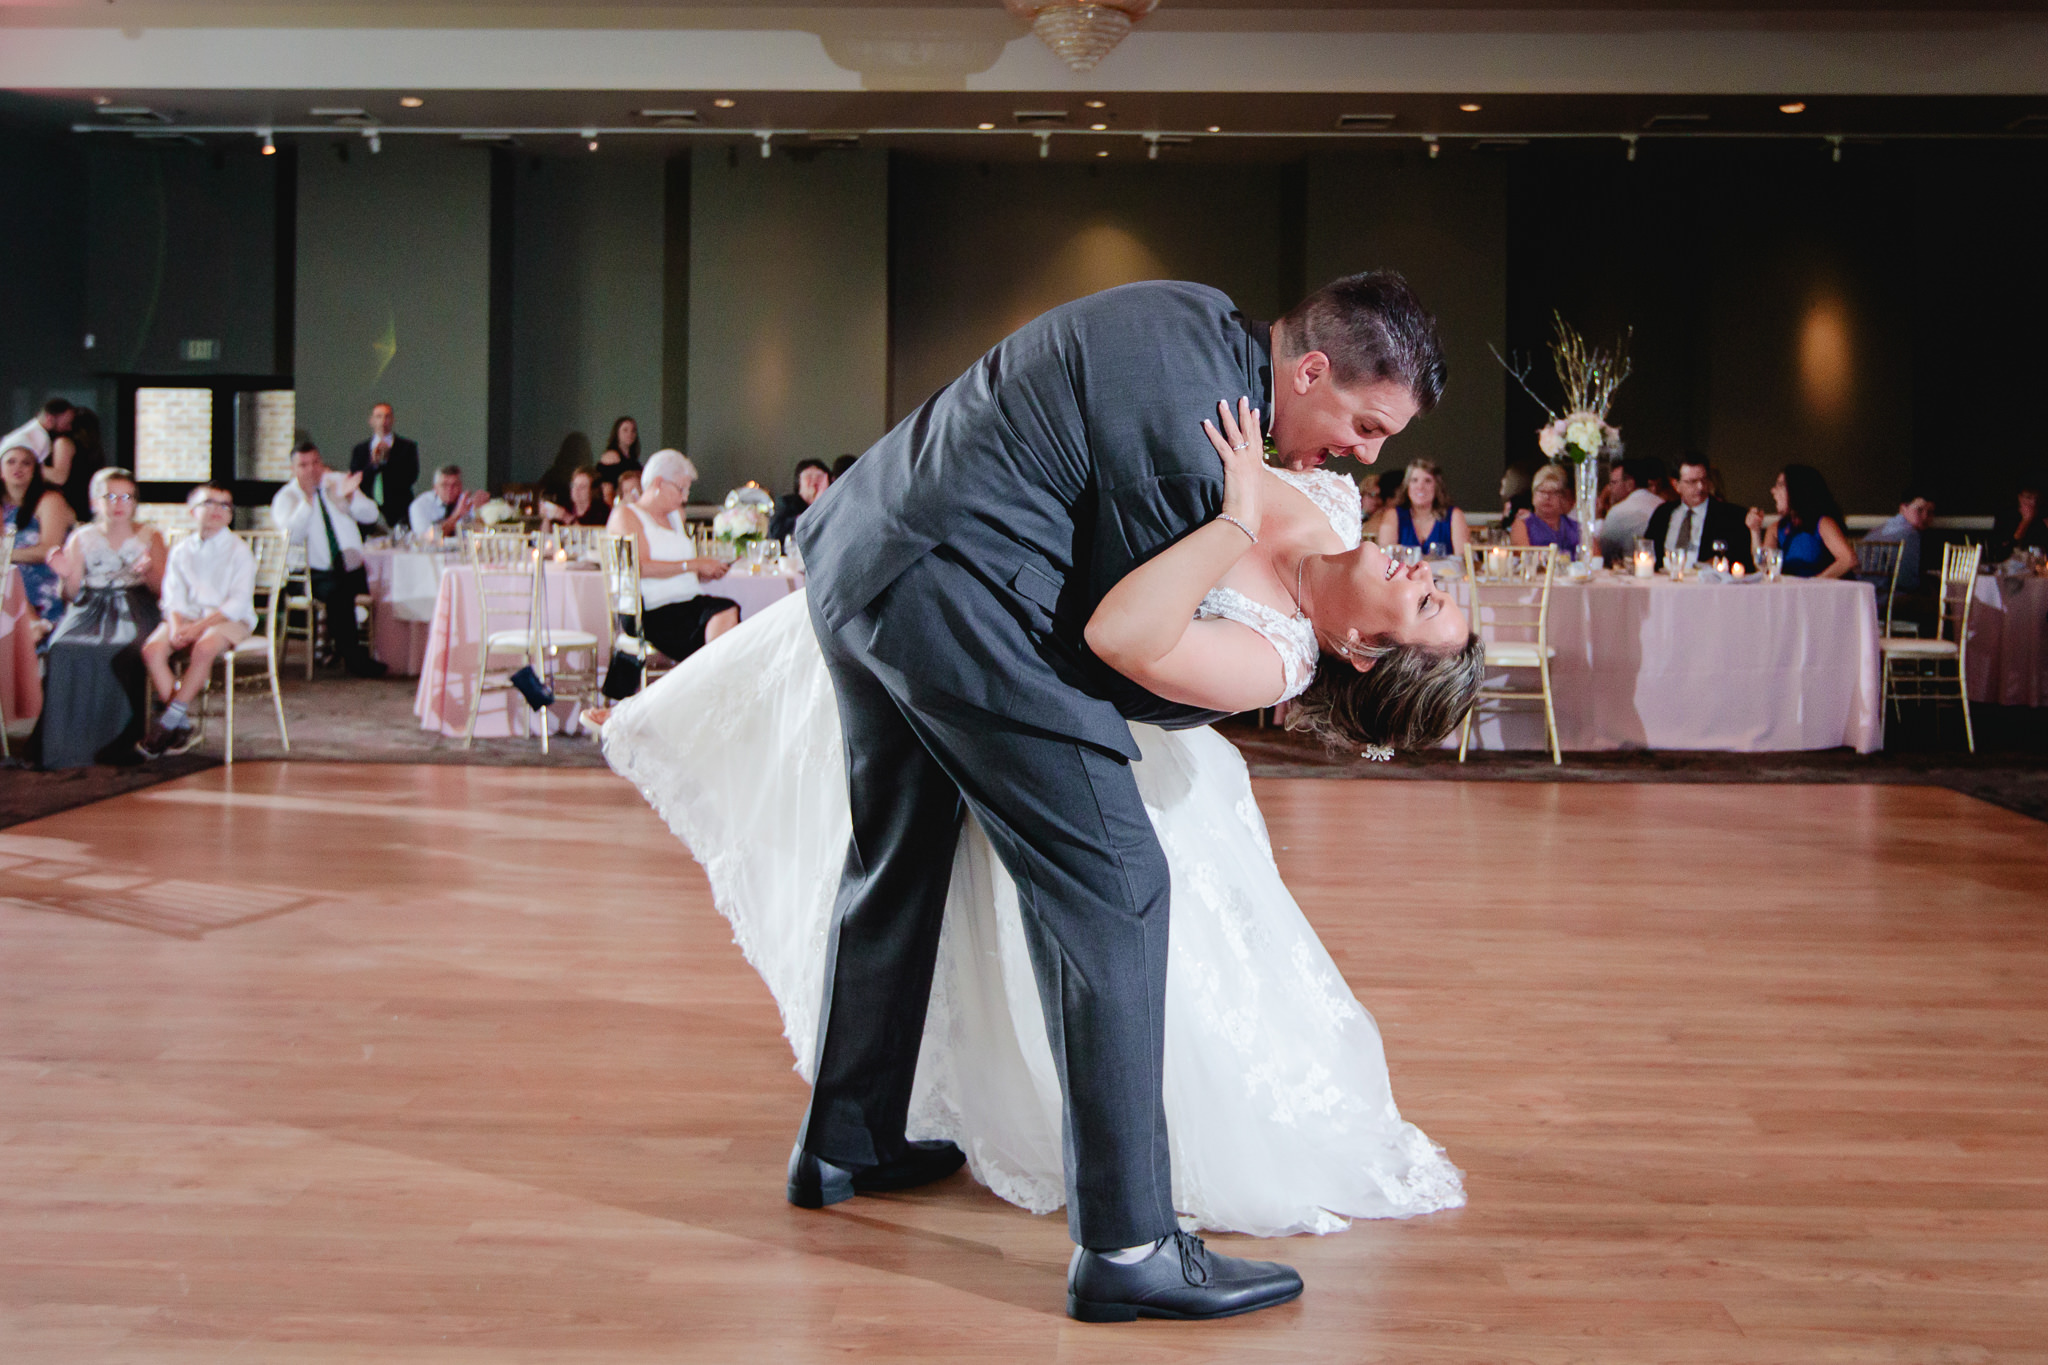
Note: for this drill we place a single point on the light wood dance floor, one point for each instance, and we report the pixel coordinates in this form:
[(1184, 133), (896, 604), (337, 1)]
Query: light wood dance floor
[(372, 1063)]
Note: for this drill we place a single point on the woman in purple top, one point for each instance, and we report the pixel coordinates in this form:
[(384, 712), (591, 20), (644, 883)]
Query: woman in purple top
[(1550, 521)]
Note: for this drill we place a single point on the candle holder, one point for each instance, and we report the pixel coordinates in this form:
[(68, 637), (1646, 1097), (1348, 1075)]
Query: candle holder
[(1646, 557)]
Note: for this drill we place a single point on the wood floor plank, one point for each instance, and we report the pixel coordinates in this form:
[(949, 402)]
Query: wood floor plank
[(323, 1063)]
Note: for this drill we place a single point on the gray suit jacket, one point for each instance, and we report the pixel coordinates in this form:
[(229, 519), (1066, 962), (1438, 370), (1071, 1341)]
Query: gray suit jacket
[(1059, 462)]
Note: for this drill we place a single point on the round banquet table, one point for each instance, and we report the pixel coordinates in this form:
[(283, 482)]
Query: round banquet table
[(1741, 667), (21, 679), (575, 601), (2007, 666), (753, 591), (405, 586)]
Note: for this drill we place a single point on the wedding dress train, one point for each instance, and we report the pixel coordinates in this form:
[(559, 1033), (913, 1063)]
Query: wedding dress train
[(1279, 1111)]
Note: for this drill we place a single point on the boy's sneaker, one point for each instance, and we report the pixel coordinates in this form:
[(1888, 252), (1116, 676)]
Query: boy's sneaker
[(161, 741)]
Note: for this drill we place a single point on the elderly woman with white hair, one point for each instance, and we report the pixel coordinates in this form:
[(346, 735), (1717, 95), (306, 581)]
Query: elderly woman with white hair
[(676, 616)]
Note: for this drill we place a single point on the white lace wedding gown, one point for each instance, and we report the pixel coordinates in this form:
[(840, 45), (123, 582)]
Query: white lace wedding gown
[(1278, 1107)]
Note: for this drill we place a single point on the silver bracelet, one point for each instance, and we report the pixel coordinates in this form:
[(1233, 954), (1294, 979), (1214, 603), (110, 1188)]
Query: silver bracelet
[(1225, 516)]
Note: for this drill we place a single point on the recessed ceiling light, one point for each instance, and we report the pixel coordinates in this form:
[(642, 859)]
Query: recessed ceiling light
[(410, 102), (1215, 127), (723, 103), (1096, 104), (1102, 154), (101, 99), (1793, 107), (1469, 107), (1098, 127), (984, 126)]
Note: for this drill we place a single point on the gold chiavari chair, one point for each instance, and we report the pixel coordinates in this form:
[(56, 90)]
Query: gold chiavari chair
[(509, 583), (6, 569), (1916, 668), (581, 542), (264, 645), (1510, 608), (1877, 563)]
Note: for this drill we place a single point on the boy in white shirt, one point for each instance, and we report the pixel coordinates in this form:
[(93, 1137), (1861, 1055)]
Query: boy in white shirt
[(209, 604)]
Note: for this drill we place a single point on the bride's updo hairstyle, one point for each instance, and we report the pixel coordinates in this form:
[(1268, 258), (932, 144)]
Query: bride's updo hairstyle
[(1372, 327), (1410, 698)]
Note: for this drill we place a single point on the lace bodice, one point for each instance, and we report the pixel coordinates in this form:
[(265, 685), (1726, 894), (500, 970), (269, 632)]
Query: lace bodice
[(1291, 636), (105, 566)]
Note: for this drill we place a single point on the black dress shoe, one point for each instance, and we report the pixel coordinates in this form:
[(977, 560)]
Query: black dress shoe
[(815, 1182), (1182, 1279)]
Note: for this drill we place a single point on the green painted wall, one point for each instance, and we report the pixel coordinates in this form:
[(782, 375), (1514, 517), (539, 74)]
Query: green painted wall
[(789, 312), (393, 299)]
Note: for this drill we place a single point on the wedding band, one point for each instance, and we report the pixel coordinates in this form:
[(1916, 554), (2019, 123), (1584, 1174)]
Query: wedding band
[(1241, 445)]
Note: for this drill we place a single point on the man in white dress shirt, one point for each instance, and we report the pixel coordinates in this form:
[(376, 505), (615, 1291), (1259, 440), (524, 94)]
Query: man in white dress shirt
[(39, 432), (209, 602), (1628, 482), (326, 511), (1699, 521), (444, 507)]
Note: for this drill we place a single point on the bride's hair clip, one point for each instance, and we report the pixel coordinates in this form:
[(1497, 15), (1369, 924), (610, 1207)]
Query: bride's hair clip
[(1380, 753)]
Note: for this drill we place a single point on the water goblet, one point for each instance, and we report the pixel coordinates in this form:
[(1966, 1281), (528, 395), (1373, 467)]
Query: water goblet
[(1772, 562)]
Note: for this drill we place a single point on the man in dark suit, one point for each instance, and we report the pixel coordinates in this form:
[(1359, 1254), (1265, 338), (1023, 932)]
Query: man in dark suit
[(390, 466), (951, 573), (1699, 520)]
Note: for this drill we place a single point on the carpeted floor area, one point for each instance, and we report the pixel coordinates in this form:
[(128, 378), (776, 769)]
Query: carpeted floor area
[(356, 721)]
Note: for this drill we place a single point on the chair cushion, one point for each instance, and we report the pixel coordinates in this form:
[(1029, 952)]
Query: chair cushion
[(1510, 654), (256, 646), (509, 641), (1925, 649)]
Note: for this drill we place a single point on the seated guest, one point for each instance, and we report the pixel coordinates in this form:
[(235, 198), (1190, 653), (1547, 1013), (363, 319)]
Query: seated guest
[(585, 506), (325, 512), (621, 451), (1375, 496), (812, 478), (444, 507), (1916, 510), (1632, 501), (2024, 529), (626, 491), (1514, 488), (93, 699), (676, 617), (1423, 516), (40, 518), (1548, 520), (209, 606), (841, 465), (1809, 529), (39, 433), (1698, 521)]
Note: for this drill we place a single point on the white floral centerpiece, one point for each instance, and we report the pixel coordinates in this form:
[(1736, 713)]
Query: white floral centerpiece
[(1582, 436), (744, 517), (497, 512)]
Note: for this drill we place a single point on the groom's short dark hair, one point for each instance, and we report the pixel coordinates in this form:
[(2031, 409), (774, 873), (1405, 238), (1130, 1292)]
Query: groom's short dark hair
[(1372, 327)]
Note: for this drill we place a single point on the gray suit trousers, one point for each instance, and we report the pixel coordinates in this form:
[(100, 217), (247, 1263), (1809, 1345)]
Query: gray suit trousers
[(1066, 820)]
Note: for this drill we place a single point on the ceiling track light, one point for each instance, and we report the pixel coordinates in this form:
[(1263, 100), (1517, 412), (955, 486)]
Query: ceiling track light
[(1836, 143), (269, 142), (766, 152), (376, 143), (1044, 145), (1631, 139), (590, 138), (1429, 141)]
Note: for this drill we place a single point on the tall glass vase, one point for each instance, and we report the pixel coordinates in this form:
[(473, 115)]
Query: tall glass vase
[(1587, 475)]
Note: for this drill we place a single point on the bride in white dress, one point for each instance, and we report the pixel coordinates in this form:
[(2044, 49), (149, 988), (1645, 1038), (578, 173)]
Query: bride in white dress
[(1279, 1111)]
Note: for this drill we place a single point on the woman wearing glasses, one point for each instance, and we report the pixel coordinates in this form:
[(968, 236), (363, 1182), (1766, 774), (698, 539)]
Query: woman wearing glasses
[(110, 569)]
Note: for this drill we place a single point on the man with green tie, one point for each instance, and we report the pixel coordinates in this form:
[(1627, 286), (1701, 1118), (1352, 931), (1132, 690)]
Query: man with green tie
[(325, 512)]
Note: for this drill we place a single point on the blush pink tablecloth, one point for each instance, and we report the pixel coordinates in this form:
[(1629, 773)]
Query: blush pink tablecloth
[(404, 592), (1738, 667), (2007, 666), (21, 677), (575, 601), (754, 592)]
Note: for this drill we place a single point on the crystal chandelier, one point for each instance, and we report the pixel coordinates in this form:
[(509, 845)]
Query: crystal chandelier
[(1081, 32)]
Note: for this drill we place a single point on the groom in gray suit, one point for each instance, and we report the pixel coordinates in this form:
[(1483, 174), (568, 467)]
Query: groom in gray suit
[(951, 573)]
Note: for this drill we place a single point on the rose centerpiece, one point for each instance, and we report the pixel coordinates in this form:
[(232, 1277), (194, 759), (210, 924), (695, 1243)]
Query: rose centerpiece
[(1582, 436), (744, 517)]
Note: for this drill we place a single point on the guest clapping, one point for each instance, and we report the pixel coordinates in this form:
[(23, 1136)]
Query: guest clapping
[(110, 569), (585, 507), (325, 512), (812, 479), (444, 508), (1424, 517), (1809, 528), (1549, 520), (40, 518), (676, 617), (209, 605)]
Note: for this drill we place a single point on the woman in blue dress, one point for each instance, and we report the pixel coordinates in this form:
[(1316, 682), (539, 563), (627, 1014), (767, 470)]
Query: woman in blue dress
[(36, 512), (1809, 529), (1549, 520), (1423, 517)]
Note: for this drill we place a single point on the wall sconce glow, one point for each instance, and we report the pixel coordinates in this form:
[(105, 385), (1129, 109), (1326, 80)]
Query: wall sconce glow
[(1793, 107), (1827, 369), (410, 102)]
